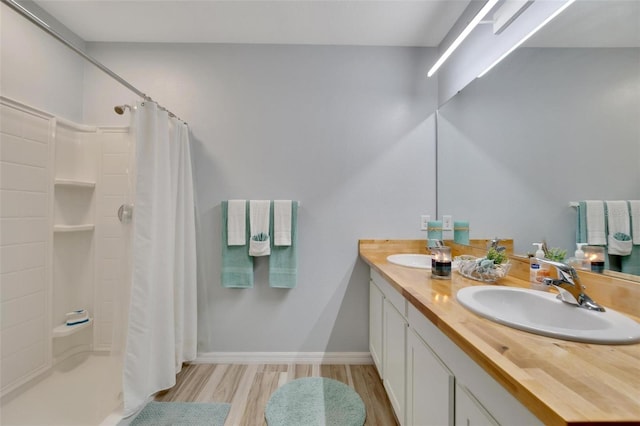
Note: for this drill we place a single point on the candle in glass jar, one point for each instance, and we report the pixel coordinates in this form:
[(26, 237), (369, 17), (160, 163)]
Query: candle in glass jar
[(595, 256), (441, 262)]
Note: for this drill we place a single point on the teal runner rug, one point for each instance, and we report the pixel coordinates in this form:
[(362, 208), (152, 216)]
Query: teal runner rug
[(181, 414)]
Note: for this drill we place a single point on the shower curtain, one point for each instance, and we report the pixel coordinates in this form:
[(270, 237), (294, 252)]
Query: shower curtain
[(161, 331)]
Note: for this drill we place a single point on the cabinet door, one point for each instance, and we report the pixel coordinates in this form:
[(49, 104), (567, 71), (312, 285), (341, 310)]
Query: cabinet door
[(376, 300), (430, 386), (394, 357), (469, 412)]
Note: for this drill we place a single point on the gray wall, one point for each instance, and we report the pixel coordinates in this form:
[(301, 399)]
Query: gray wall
[(546, 127), (37, 70), (347, 131)]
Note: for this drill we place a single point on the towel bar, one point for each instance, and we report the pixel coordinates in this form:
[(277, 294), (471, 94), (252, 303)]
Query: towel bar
[(299, 203)]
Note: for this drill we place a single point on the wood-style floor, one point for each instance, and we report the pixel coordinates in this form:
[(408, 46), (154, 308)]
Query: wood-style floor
[(248, 388)]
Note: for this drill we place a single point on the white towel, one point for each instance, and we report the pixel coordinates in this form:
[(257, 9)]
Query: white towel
[(618, 221), (282, 223), (259, 224), (236, 223), (635, 220), (595, 223), (618, 217)]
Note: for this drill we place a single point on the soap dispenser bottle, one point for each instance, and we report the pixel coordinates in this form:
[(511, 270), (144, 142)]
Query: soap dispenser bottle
[(579, 260), (538, 272)]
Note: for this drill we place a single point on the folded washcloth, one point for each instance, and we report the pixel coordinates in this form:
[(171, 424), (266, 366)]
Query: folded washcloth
[(283, 262), (237, 265), (634, 208), (619, 244), (595, 223), (260, 245), (236, 222), (282, 222), (77, 317), (259, 225)]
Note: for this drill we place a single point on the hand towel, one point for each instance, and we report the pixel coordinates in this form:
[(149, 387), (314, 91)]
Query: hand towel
[(282, 222), (236, 223), (283, 262), (237, 265), (618, 223), (259, 223), (595, 223), (634, 208)]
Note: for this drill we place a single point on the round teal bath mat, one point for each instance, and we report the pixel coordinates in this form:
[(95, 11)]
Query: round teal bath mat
[(315, 401)]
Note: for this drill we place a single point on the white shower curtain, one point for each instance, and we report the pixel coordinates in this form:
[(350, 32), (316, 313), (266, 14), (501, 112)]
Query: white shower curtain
[(162, 321)]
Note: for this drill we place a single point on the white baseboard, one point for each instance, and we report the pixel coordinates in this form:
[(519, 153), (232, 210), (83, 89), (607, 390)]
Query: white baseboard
[(283, 358)]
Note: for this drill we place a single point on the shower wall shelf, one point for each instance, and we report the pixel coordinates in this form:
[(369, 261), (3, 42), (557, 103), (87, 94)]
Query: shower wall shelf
[(74, 228), (74, 183), (67, 330)]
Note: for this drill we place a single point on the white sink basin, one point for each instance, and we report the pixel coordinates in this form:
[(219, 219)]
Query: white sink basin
[(541, 313), (421, 261)]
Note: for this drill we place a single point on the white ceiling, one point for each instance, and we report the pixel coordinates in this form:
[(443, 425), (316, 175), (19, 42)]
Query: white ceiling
[(586, 23), (328, 22)]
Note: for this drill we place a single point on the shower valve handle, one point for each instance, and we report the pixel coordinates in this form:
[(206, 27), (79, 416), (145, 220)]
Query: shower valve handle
[(125, 213)]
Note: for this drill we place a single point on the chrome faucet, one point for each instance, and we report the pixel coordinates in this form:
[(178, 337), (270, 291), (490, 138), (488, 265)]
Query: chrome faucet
[(434, 243), (569, 287), (495, 243)]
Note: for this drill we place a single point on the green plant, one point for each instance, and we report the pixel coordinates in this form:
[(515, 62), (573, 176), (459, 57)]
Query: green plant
[(498, 257), (556, 254)]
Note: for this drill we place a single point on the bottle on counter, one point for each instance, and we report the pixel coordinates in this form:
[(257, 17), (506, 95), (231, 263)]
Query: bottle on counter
[(538, 272)]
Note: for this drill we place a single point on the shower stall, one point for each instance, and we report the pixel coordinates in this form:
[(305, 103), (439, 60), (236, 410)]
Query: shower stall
[(98, 296), (63, 249)]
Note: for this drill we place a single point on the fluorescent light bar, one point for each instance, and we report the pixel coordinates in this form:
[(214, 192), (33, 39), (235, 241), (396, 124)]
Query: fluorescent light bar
[(474, 22), (28, 12), (528, 36)]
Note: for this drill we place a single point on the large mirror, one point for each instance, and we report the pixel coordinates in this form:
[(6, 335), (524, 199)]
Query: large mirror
[(557, 121)]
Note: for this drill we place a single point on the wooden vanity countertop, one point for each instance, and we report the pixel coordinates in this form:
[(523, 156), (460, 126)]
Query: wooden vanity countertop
[(559, 381)]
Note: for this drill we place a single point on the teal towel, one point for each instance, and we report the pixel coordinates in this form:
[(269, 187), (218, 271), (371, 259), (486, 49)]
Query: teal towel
[(581, 228), (237, 265), (631, 263), (283, 262)]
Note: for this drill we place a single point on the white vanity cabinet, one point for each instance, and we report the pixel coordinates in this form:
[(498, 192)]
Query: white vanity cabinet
[(394, 357), (430, 385), (429, 379), (376, 304), (388, 328), (469, 412)]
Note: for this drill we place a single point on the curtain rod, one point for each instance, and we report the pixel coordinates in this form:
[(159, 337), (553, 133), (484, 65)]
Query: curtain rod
[(45, 27)]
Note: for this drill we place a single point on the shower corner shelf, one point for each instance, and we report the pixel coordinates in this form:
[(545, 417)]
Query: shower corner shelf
[(66, 330), (75, 183), (73, 228)]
